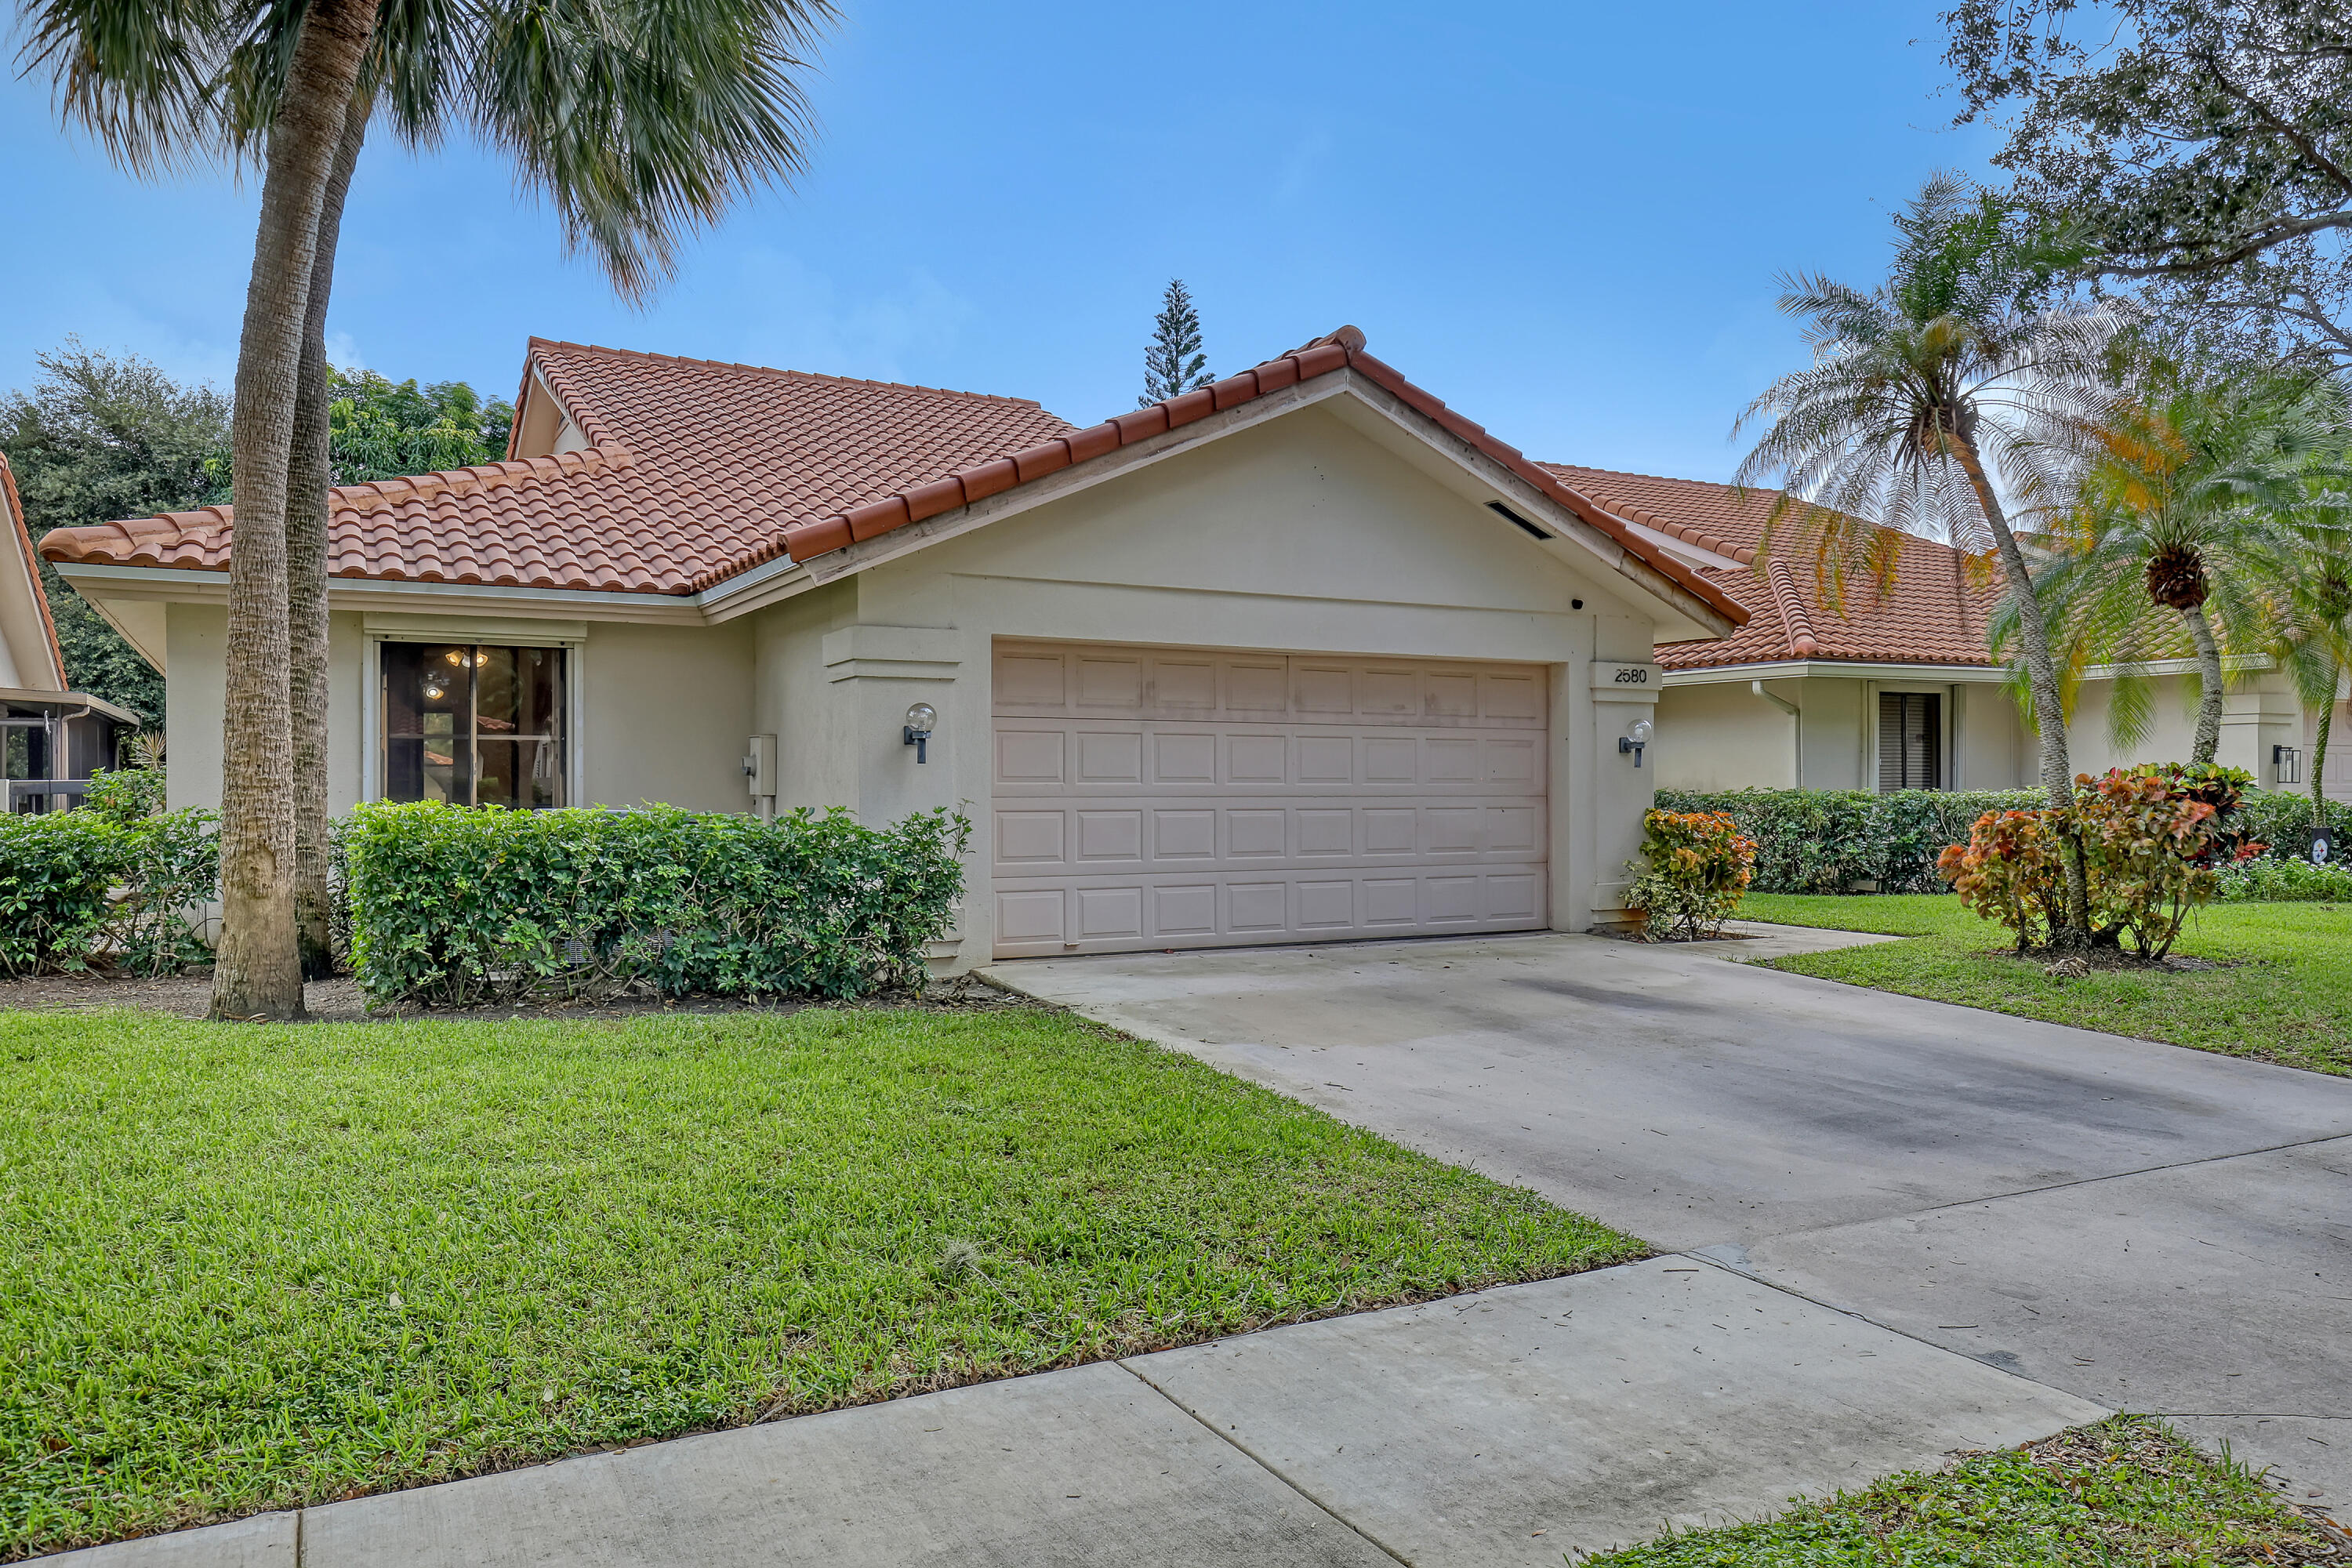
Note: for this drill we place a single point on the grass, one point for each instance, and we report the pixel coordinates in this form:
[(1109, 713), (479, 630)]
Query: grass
[(2283, 992), (249, 1267), (2126, 1491)]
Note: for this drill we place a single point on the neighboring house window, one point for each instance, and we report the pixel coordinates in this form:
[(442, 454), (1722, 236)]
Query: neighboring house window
[(473, 724), (1910, 741)]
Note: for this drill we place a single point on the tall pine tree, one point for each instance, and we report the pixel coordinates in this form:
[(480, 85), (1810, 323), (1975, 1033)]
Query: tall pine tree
[(1174, 363)]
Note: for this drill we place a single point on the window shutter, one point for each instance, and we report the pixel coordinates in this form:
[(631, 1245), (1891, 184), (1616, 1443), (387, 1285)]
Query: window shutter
[(1910, 741)]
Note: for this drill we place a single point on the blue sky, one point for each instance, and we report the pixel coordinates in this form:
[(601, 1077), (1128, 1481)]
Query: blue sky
[(1564, 218)]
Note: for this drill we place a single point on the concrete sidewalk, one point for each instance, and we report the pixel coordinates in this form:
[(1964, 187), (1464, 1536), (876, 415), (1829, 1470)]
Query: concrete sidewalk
[(1508, 1426)]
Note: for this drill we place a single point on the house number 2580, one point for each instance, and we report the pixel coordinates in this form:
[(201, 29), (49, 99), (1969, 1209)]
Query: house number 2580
[(1636, 677)]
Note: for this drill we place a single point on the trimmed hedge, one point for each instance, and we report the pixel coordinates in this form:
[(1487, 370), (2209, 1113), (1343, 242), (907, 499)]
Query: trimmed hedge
[(1836, 841), (104, 888), (453, 907), (2282, 819), (2285, 881)]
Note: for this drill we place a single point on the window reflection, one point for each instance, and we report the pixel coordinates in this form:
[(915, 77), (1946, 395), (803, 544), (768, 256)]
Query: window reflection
[(473, 724)]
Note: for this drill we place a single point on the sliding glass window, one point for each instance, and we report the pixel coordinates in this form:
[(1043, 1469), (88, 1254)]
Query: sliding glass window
[(474, 724)]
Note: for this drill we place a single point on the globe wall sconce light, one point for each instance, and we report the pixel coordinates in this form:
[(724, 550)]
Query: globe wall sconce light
[(1634, 739), (921, 719)]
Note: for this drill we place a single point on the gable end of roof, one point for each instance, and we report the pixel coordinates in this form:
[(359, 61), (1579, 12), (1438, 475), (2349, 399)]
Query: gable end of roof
[(1342, 350)]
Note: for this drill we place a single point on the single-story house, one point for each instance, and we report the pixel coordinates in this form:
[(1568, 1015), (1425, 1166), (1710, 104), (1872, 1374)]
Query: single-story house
[(51, 739), (1896, 690), (1301, 655)]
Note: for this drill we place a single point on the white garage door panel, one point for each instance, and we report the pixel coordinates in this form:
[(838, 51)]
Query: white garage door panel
[(1182, 798)]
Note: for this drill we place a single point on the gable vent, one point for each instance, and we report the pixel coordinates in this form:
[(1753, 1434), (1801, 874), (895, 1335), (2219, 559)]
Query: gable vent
[(1499, 508)]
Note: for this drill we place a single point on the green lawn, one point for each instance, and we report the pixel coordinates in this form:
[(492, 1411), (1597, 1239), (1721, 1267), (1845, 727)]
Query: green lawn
[(245, 1267), (2282, 992), (2125, 1491)]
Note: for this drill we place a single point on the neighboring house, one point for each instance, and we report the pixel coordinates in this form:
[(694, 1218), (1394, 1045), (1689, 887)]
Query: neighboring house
[(1893, 691), (51, 739), (1301, 655)]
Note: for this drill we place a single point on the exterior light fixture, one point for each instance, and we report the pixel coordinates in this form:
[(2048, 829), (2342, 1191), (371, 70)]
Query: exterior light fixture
[(1634, 739), (921, 719)]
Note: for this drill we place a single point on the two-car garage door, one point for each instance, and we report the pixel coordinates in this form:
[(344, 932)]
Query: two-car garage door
[(1182, 797)]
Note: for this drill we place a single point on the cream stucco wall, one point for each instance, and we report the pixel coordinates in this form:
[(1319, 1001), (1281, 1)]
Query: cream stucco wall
[(2259, 711), (1719, 735), (195, 639), (666, 711), (1723, 736), (795, 701)]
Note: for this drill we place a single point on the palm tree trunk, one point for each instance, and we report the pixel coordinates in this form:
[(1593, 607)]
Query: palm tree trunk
[(257, 970), (2319, 758), (309, 474), (2209, 684), (2048, 702)]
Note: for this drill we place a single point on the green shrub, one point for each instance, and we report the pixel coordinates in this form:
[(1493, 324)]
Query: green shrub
[(156, 923), (452, 906), (81, 889), (55, 871), (2282, 881), (1837, 841), (1694, 868), (2282, 819), (125, 795)]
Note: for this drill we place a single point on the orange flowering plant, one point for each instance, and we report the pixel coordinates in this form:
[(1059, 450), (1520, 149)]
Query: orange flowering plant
[(1694, 868), (2011, 870), (2155, 838)]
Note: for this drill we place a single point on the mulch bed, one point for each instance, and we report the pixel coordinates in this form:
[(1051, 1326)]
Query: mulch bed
[(339, 1001)]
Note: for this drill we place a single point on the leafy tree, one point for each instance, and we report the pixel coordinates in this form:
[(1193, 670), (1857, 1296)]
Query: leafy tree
[(640, 119), (2186, 513), (1920, 388), (2204, 148), (1173, 365), (102, 436), (381, 430)]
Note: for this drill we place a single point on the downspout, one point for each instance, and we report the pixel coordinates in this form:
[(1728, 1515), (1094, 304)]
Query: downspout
[(1796, 729)]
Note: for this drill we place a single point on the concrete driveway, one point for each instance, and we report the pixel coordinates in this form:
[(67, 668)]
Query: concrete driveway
[(2148, 1227)]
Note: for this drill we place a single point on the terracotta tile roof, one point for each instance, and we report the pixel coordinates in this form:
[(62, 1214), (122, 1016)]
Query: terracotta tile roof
[(1936, 613), (691, 465), (696, 469)]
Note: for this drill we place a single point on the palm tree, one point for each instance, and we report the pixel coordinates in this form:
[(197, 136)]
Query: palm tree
[(2321, 651), (2316, 646), (638, 119), (2185, 512), (1919, 389)]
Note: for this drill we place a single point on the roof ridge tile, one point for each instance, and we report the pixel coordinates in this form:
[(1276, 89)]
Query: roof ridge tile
[(739, 367)]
